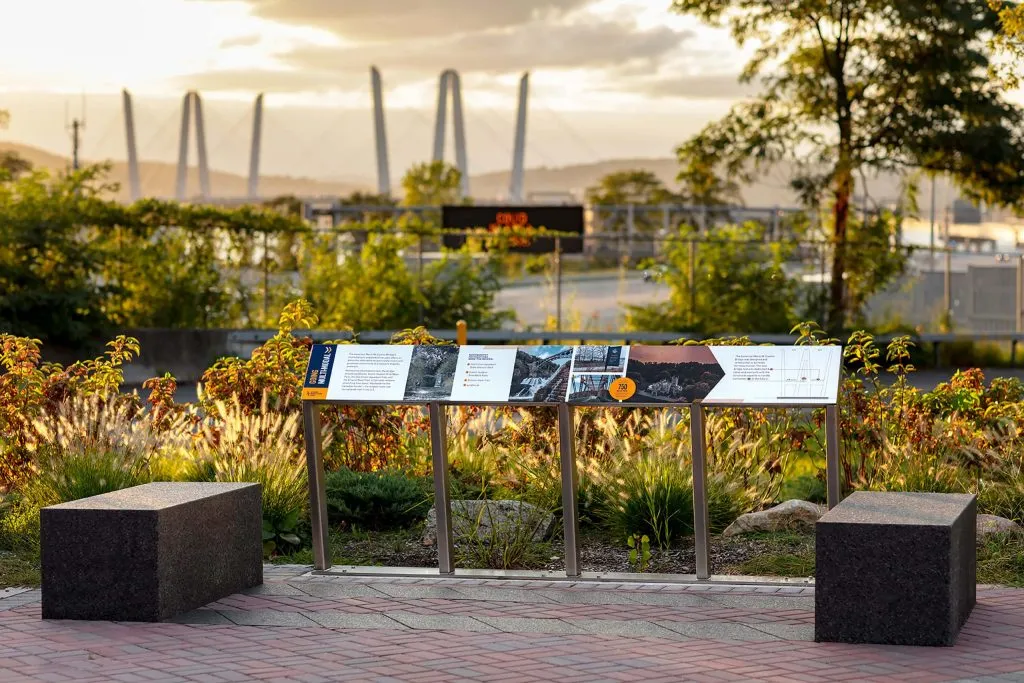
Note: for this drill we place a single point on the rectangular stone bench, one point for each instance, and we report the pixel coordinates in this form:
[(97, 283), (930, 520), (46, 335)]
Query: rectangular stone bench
[(150, 552), (895, 568)]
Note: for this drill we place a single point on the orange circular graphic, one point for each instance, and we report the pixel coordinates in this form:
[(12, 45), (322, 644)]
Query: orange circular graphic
[(622, 388)]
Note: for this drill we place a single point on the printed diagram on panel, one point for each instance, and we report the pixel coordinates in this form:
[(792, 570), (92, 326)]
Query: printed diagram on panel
[(803, 374)]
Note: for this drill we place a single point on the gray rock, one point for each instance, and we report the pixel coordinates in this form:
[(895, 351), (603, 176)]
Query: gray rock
[(793, 515), (503, 518), (991, 524)]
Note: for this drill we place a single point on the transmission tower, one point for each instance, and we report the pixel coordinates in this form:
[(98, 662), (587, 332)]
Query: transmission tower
[(75, 127)]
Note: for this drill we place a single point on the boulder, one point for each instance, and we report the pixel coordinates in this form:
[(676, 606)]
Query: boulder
[(991, 524), (502, 518), (793, 515)]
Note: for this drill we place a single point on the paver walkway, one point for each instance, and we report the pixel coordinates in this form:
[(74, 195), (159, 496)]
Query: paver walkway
[(299, 627)]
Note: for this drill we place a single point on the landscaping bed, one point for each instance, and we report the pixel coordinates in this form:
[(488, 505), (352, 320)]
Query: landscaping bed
[(68, 432)]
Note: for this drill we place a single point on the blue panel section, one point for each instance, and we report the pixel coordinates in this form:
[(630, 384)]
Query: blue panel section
[(321, 361)]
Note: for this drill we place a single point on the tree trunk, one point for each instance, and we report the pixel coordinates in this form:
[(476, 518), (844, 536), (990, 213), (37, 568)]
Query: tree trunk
[(837, 308), (837, 288)]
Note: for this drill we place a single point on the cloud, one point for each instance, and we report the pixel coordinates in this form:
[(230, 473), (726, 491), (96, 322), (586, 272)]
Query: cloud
[(535, 45), (271, 80), (250, 40), (382, 20), (713, 86), (412, 41)]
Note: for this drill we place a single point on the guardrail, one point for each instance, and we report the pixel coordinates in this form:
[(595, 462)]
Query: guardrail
[(241, 340)]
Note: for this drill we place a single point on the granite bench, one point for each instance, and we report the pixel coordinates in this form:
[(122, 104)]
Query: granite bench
[(150, 552), (895, 568)]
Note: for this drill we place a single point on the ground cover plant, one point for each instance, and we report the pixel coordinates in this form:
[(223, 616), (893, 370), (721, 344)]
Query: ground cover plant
[(69, 432)]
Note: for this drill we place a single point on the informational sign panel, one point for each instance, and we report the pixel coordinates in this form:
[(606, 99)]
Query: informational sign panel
[(498, 219), (581, 375)]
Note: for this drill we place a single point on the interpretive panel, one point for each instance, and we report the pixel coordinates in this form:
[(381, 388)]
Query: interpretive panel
[(585, 375)]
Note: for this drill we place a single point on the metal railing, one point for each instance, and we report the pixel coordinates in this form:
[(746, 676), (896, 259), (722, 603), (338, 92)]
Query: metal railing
[(313, 432)]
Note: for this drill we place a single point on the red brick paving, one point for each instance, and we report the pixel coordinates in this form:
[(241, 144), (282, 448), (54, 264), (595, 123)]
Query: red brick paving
[(991, 644)]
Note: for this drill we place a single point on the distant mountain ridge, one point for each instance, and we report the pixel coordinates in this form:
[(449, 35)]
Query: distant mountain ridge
[(158, 180)]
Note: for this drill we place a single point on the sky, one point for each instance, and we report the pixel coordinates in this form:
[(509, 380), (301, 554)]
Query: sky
[(609, 78)]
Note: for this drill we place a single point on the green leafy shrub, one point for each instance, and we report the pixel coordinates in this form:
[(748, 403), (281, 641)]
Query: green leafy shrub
[(503, 546), (655, 499), (805, 487), (1002, 499), (724, 504), (376, 500)]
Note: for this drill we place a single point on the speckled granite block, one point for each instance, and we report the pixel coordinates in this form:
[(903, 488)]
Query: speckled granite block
[(895, 568), (150, 552)]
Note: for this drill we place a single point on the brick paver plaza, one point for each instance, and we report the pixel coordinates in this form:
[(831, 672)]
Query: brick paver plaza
[(302, 627)]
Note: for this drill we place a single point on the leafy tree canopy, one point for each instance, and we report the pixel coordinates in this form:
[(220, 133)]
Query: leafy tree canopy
[(1010, 42), (636, 186), (433, 183), (853, 85)]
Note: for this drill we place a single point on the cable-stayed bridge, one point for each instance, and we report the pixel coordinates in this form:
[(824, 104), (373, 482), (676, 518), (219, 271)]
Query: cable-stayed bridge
[(449, 99)]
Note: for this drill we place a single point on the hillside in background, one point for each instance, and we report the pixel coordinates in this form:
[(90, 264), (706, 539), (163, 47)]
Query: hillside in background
[(158, 180)]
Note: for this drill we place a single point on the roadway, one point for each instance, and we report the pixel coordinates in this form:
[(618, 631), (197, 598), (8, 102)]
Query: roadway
[(589, 302)]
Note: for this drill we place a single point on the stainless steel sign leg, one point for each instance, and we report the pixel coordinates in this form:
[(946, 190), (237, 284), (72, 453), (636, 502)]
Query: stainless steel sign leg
[(698, 447), (442, 504), (570, 482), (832, 456), (317, 493)]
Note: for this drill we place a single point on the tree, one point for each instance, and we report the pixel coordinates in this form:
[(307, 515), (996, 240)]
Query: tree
[(638, 187), (701, 185), (853, 85), (13, 165), (432, 184), (735, 283), (1010, 41)]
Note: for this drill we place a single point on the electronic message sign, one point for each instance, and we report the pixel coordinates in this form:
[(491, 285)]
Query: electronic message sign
[(498, 219)]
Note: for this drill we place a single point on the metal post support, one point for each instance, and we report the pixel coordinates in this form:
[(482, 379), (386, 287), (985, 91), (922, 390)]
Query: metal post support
[(698, 448), (317, 494), (1019, 300), (570, 482), (947, 288), (439, 451), (558, 284), (692, 284), (266, 277), (630, 231), (835, 493)]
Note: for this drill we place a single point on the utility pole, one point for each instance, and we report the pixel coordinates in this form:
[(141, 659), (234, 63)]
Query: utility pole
[(76, 127)]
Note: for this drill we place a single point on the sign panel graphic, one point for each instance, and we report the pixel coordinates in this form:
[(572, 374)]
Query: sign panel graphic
[(582, 375)]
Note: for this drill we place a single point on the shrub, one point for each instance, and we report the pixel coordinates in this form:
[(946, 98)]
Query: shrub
[(654, 499), (502, 546), (238, 446), (91, 445), (805, 487), (376, 500), (1002, 499)]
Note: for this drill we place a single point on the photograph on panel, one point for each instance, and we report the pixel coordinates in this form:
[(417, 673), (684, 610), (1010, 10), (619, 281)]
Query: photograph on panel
[(432, 373), (601, 359), (672, 374), (541, 374)]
